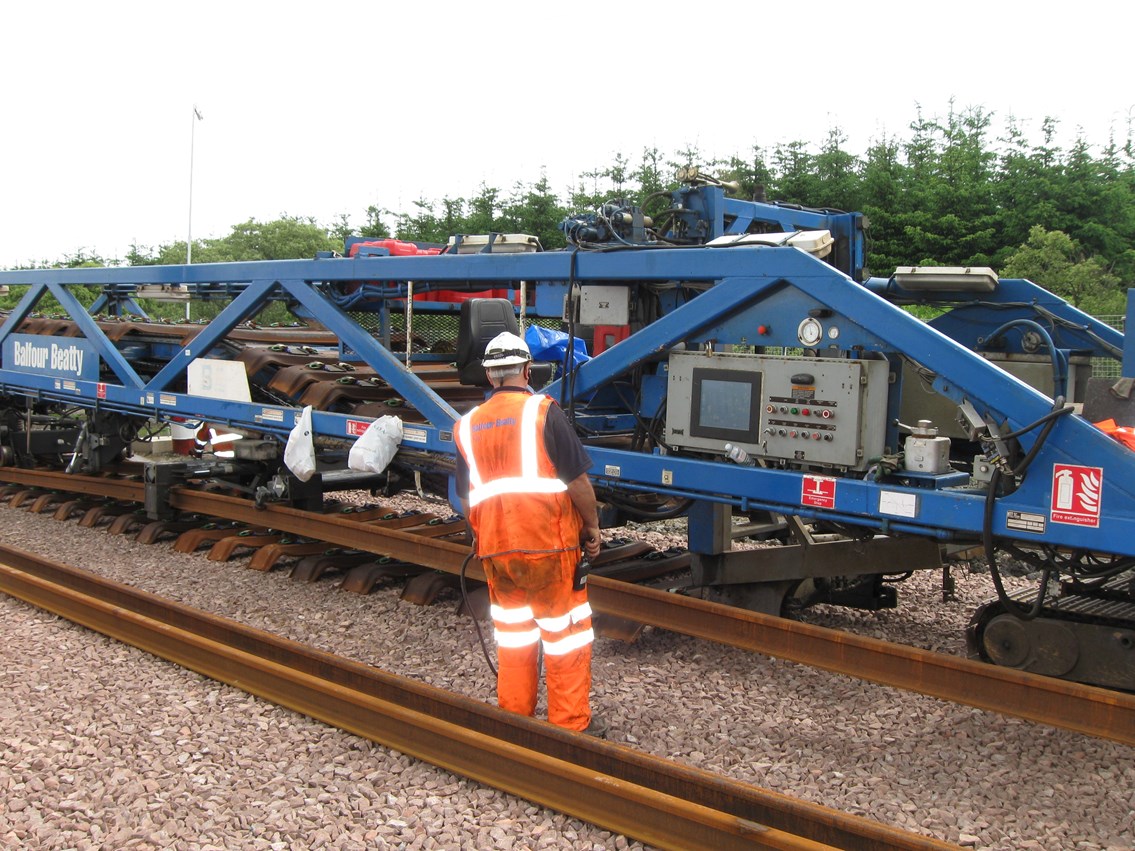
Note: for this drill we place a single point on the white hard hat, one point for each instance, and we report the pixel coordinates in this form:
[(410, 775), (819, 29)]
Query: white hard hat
[(506, 349)]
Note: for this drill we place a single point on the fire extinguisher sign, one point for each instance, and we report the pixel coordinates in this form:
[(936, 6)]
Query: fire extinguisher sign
[(1076, 494)]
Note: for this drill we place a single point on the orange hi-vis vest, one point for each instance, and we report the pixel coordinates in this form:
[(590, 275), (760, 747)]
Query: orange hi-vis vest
[(516, 502)]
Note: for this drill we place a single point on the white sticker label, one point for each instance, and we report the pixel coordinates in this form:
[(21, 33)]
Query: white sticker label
[(898, 504), (413, 435), (612, 470)]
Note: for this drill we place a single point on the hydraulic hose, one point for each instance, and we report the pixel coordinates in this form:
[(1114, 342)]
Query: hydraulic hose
[(991, 556), (1049, 422), (473, 614), (1059, 365), (567, 382)]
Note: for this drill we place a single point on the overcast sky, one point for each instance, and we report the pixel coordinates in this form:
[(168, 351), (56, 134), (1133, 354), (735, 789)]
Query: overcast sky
[(318, 109)]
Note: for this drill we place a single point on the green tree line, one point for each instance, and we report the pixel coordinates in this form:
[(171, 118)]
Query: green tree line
[(954, 191)]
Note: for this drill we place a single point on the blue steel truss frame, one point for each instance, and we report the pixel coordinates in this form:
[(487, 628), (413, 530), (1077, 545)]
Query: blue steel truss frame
[(718, 297)]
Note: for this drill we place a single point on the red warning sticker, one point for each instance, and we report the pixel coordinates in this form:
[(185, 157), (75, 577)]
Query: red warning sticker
[(1076, 494), (355, 428), (818, 491)]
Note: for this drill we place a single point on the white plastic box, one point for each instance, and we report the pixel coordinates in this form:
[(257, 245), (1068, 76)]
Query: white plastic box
[(816, 242), (604, 305), (502, 243)]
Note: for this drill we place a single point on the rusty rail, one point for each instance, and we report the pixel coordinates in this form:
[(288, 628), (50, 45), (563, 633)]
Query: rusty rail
[(654, 800)]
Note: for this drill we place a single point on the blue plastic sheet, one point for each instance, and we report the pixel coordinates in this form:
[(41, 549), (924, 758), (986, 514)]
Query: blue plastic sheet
[(546, 344)]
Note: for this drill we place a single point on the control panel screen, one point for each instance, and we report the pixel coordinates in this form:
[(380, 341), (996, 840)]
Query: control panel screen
[(725, 404)]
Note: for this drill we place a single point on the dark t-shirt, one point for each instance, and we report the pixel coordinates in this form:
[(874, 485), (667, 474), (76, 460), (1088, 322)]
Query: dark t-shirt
[(563, 445)]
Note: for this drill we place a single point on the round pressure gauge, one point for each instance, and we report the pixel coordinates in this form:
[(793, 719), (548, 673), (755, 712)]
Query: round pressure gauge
[(810, 332)]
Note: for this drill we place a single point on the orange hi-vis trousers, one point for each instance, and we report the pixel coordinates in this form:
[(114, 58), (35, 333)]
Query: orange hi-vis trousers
[(532, 602)]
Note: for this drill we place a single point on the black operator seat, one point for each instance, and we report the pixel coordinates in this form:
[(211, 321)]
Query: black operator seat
[(481, 320)]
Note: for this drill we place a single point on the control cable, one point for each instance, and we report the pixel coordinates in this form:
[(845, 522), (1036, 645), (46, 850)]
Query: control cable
[(469, 608), (1049, 422)]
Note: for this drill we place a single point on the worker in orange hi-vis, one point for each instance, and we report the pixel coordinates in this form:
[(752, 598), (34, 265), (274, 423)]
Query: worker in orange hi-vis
[(522, 479)]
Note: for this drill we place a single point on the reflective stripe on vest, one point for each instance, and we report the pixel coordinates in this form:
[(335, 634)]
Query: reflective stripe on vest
[(517, 639), (576, 615), (522, 614), (572, 642), (529, 480)]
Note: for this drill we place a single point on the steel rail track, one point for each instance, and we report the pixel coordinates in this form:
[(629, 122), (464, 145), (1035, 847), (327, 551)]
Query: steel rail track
[(1046, 700), (659, 802)]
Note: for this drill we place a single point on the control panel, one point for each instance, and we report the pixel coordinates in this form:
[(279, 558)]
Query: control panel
[(808, 411)]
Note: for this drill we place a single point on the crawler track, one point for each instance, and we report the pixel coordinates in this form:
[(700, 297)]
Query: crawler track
[(659, 802), (622, 605)]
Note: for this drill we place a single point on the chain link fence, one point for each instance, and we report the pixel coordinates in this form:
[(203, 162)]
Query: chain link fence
[(1108, 367), (433, 332)]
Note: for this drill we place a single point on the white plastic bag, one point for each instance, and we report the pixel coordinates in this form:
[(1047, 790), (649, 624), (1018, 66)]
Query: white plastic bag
[(376, 446), (299, 454)]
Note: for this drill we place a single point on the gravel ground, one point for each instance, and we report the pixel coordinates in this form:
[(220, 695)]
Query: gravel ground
[(105, 747)]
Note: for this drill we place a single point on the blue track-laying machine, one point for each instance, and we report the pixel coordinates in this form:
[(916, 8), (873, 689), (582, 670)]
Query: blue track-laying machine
[(742, 372)]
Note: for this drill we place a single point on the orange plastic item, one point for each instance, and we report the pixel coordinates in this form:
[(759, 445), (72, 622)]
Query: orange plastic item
[(401, 248), (607, 336), (1123, 434), (396, 247)]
